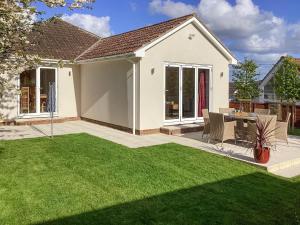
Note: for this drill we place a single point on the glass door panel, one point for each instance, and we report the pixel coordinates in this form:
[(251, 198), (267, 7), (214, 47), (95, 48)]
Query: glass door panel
[(28, 92), (188, 93), (47, 77), (172, 93)]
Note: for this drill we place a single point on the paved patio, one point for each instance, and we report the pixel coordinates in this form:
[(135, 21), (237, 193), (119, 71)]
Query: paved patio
[(285, 161)]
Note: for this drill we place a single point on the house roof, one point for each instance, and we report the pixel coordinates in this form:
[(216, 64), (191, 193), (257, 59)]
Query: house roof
[(132, 41), (272, 71), (58, 39)]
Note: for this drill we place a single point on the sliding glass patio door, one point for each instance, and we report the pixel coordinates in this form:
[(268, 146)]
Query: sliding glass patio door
[(188, 78), (34, 91), (172, 98), (186, 93)]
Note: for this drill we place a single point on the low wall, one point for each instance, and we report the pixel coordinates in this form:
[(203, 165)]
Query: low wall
[(271, 106)]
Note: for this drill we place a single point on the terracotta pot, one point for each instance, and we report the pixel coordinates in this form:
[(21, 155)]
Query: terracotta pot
[(261, 155)]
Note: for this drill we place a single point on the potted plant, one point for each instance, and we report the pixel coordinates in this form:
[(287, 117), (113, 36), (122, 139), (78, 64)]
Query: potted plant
[(263, 144)]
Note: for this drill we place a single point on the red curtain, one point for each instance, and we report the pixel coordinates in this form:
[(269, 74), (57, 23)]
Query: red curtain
[(201, 92)]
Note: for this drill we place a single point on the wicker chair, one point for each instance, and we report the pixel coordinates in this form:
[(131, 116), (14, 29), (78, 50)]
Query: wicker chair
[(226, 110), (206, 128), (251, 132), (25, 100), (219, 129), (262, 111), (281, 131), (240, 130)]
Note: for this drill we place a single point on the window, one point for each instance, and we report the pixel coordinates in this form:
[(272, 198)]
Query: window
[(34, 90), (186, 93), (28, 92)]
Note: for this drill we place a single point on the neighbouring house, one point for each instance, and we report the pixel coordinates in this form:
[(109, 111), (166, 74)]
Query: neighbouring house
[(231, 92), (267, 84), (136, 81)]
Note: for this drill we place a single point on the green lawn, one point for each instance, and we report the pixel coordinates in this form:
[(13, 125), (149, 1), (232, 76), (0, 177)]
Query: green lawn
[(81, 179), (296, 132)]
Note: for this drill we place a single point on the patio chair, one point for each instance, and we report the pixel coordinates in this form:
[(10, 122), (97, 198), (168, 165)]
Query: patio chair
[(219, 129), (206, 128), (281, 131), (262, 111), (25, 100), (226, 110), (240, 130), (251, 132)]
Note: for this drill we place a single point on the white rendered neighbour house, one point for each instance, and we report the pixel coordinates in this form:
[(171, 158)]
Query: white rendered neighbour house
[(267, 84)]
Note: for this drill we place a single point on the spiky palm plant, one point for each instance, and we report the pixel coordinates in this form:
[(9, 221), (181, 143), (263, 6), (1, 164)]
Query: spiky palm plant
[(264, 133)]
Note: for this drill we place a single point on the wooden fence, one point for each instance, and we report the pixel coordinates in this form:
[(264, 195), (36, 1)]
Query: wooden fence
[(272, 106)]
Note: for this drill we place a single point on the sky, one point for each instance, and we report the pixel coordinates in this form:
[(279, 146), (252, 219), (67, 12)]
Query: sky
[(262, 30)]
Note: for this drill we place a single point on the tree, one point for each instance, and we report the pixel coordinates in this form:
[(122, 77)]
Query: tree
[(245, 80), (287, 83), (16, 22)]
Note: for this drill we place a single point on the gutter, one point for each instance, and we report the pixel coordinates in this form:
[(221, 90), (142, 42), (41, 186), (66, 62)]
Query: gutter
[(57, 60), (134, 65), (114, 57)]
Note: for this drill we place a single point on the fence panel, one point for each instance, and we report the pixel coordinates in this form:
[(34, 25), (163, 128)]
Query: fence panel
[(274, 110)]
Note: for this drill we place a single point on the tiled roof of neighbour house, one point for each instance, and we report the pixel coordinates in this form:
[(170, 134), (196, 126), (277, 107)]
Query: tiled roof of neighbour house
[(131, 41), (297, 60), (60, 40)]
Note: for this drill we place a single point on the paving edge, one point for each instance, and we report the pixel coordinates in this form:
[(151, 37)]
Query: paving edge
[(290, 172), (271, 169), (284, 165)]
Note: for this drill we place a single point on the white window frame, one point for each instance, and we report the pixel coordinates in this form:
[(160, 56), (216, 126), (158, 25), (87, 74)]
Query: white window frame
[(38, 113), (195, 119)]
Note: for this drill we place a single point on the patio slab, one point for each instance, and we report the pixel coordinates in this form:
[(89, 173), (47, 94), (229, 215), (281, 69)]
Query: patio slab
[(285, 156), (289, 172), (72, 127), (284, 160)]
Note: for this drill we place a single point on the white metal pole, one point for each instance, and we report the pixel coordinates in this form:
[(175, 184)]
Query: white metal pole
[(51, 124), (133, 97), (51, 104)]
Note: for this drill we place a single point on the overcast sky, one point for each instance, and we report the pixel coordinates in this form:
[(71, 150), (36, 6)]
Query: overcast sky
[(262, 30)]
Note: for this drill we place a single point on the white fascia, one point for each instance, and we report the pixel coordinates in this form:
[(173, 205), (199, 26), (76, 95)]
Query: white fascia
[(56, 61), (106, 58)]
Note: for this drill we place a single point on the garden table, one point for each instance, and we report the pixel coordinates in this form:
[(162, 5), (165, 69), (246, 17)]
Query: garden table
[(251, 118)]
